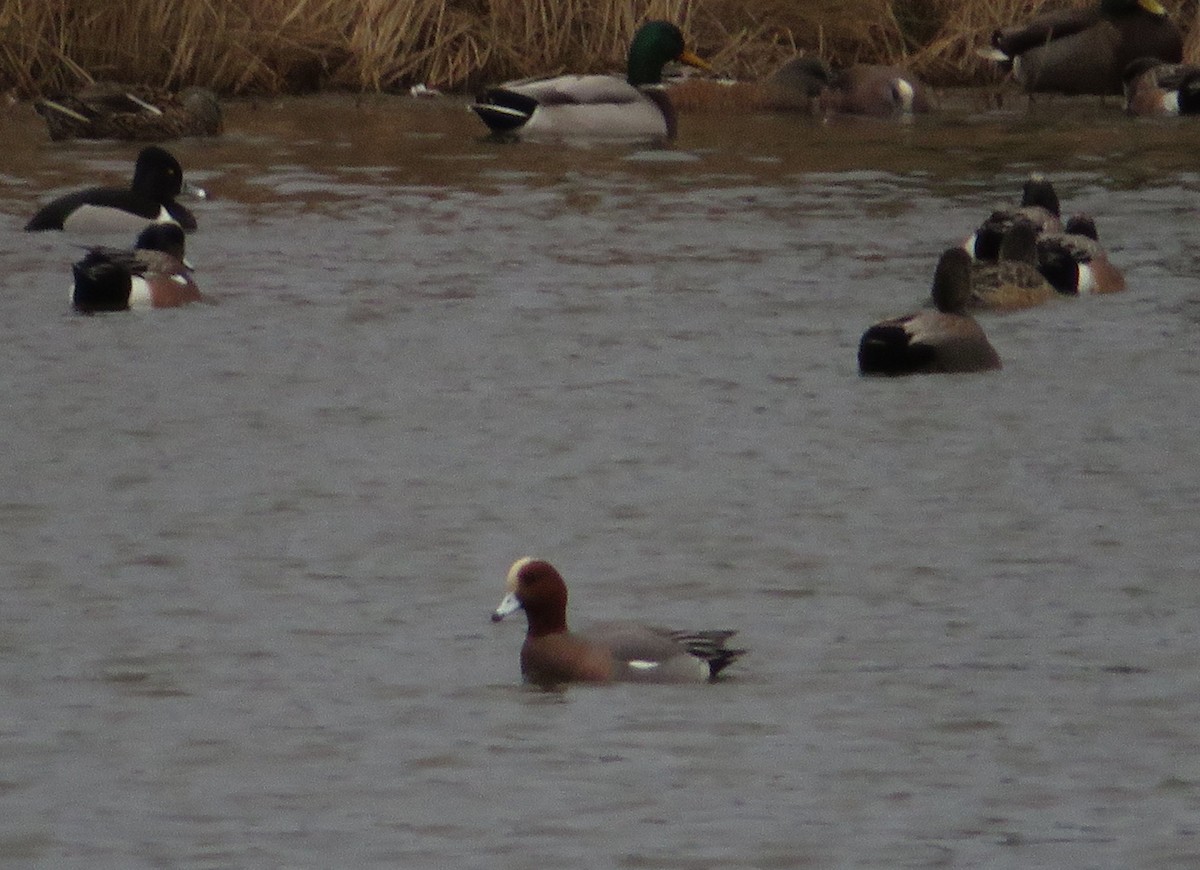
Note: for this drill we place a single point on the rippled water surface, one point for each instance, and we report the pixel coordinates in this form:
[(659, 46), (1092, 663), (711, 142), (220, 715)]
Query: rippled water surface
[(248, 549)]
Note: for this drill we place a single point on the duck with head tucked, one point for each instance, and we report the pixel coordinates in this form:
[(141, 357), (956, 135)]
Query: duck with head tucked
[(1086, 50), (149, 198), (810, 84), (608, 652), (105, 110), (596, 106), (152, 275), (930, 341)]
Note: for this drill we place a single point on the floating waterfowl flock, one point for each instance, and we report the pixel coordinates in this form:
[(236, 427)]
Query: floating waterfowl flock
[(1019, 256)]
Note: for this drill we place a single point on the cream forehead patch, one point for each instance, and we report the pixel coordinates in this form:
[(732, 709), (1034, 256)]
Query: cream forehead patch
[(510, 582)]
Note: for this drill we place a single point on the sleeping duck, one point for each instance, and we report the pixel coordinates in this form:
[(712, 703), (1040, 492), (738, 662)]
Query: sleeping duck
[(1086, 51), (104, 110)]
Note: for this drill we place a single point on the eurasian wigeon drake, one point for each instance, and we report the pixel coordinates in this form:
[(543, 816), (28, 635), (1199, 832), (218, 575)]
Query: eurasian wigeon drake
[(149, 198), (1075, 262), (153, 274), (106, 110), (1153, 87), (929, 341), (608, 652), (633, 106), (1039, 205), (1086, 50), (1013, 281), (809, 83)]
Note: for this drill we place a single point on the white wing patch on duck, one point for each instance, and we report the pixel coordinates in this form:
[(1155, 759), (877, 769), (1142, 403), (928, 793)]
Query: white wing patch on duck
[(139, 293), (1087, 279), (643, 665)]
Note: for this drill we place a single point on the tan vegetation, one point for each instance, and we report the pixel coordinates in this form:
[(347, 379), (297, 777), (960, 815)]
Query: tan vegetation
[(280, 46)]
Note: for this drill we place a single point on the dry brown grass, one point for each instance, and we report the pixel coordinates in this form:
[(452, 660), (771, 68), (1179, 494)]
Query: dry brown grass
[(276, 46)]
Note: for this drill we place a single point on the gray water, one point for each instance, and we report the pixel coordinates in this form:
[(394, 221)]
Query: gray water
[(249, 548)]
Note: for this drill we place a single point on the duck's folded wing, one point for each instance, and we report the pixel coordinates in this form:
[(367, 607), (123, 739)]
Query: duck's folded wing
[(124, 259), (576, 89), (1018, 39), (655, 653), (1169, 76)]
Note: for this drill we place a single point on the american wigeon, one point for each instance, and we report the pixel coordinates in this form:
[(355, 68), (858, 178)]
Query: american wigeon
[(929, 341), (154, 274), (1012, 281), (150, 197), (1075, 262), (610, 651), (1156, 88), (810, 84), (104, 110), (595, 106), (1085, 51), (1039, 205)]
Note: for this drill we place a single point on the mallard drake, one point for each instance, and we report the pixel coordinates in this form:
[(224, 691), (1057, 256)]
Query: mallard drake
[(810, 84), (608, 652), (154, 274), (150, 197), (596, 106), (1156, 88), (1085, 51), (1013, 281), (941, 340), (1039, 205), (1075, 262), (134, 112)]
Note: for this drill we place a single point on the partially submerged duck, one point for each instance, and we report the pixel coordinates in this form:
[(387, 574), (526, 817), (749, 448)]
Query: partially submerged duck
[(930, 341), (1086, 50), (635, 106), (1153, 87), (133, 112), (810, 84)]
